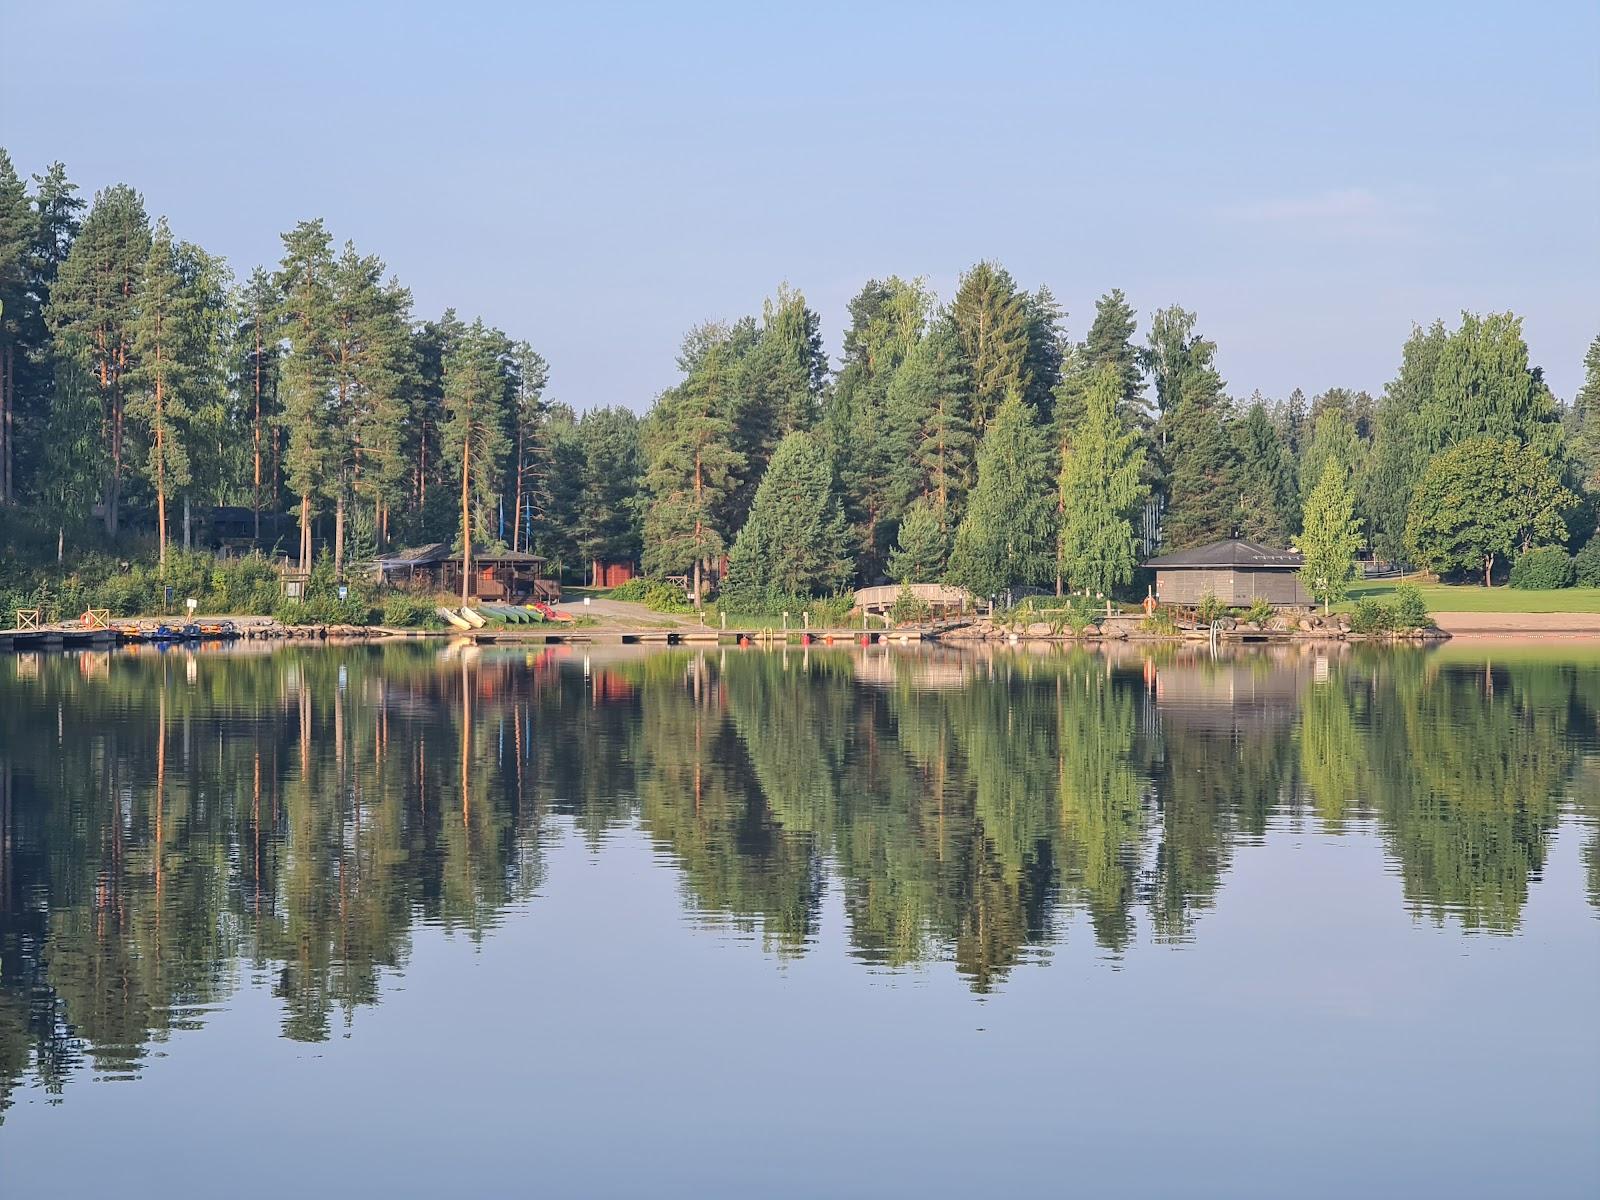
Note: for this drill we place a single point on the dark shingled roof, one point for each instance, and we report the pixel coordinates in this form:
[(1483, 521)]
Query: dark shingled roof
[(1235, 552)]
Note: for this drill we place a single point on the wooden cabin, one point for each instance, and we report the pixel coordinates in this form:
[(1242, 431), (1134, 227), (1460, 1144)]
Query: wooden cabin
[(496, 575), (1235, 571)]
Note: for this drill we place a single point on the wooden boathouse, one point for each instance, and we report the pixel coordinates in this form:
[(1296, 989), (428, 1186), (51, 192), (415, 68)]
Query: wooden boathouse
[(1236, 572)]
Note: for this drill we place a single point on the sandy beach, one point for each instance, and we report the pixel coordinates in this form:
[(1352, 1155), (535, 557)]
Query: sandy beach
[(1546, 626)]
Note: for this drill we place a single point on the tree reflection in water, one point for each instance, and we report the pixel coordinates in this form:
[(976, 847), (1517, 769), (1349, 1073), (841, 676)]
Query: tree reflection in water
[(172, 824)]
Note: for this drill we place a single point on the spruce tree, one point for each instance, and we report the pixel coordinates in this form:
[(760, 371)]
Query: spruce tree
[(606, 524), (1197, 462), (1007, 536), (1585, 435), (1102, 486), (795, 543), (996, 327), (1269, 501), (1330, 537), (32, 446), (928, 428), (887, 318), (922, 546), (16, 248), (91, 314)]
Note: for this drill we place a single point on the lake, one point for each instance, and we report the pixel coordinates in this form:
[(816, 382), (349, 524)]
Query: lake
[(430, 919)]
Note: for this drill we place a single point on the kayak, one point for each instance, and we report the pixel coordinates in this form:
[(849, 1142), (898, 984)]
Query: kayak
[(472, 618), (450, 618)]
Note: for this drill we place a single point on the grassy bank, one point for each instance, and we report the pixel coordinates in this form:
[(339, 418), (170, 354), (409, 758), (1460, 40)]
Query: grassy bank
[(1471, 598)]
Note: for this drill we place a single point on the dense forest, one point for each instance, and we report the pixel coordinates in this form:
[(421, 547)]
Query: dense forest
[(144, 385)]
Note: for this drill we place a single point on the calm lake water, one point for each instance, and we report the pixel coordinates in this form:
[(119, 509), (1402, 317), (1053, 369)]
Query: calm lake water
[(449, 921)]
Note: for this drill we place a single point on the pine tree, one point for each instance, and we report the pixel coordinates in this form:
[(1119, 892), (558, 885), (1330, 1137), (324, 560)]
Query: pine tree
[(531, 462), (91, 315), (1007, 536), (257, 340), (923, 545), (373, 390), (305, 283), (1330, 537), (178, 381), (1102, 486), (994, 323), (693, 462), (795, 543), (477, 400)]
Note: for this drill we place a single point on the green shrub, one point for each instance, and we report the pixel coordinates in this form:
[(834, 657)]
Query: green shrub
[(1371, 616), (1160, 621), (665, 598), (1543, 568), (1408, 609), (1259, 613), (1586, 563), (633, 591), (909, 607), (1211, 609), (404, 610)]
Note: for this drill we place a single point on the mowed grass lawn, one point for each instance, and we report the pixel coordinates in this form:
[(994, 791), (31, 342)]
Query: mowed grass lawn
[(1464, 597)]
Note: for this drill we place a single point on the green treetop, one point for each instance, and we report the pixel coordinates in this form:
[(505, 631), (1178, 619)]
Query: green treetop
[(91, 315), (1102, 487), (478, 387), (922, 546), (1483, 499), (693, 463), (1008, 534), (1329, 538), (795, 542), (994, 324)]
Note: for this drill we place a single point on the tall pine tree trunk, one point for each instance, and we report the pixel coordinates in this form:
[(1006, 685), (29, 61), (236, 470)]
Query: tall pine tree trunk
[(255, 495), (516, 516), (466, 517), (161, 493), (338, 535), (8, 400), (305, 532)]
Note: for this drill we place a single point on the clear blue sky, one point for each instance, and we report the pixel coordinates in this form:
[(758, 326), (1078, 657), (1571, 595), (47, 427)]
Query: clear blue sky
[(598, 177)]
